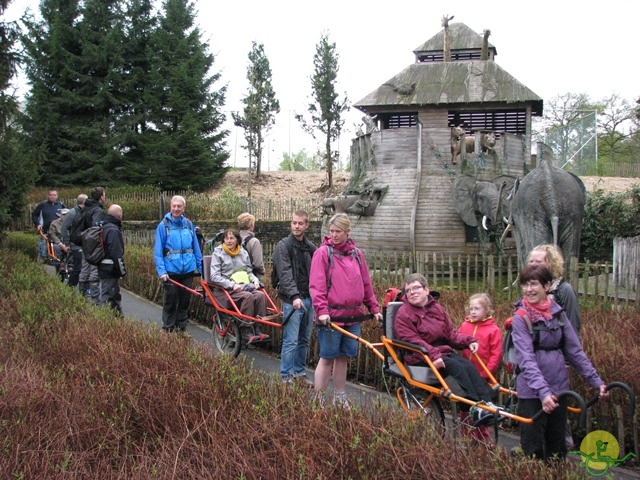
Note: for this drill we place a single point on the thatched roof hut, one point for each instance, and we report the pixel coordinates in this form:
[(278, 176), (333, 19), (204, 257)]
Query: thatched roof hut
[(403, 164)]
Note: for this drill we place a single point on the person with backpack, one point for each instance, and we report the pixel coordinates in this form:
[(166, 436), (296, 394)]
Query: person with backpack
[(42, 216), (246, 225), (112, 268), (562, 292), (290, 277), (177, 256), (481, 325), (76, 250), (92, 214), (339, 284), (544, 340)]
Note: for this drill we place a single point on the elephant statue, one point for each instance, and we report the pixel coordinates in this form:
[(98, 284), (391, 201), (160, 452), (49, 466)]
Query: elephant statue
[(548, 207), (477, 201)]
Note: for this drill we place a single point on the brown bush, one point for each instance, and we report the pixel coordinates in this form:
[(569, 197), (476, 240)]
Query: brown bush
[(86, 395)]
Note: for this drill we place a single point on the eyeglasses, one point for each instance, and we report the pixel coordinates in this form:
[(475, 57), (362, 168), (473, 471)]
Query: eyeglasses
[(414, 289), (532, 284)]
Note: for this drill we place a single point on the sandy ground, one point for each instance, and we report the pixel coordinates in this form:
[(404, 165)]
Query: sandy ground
[(278, 185)]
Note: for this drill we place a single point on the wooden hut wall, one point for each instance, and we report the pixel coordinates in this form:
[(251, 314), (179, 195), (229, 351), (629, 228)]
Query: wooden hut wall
[(392, 164)]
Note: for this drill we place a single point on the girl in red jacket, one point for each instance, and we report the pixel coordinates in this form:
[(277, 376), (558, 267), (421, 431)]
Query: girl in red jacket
[(480, 324)]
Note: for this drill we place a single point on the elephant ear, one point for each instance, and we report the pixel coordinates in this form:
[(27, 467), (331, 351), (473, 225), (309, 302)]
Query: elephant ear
[(464, 199), (582, 187)]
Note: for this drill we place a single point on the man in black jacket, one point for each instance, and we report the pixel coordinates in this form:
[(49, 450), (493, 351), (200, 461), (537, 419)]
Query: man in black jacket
[(112, 268), (92, 214), (292, 264), (76, 250), (42, 216)]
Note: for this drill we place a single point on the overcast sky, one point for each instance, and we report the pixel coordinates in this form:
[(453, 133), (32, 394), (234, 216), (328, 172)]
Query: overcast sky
[(552, 47)]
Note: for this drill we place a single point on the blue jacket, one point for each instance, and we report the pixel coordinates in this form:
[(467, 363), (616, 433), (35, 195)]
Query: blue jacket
[(177, 253), (543, 372)]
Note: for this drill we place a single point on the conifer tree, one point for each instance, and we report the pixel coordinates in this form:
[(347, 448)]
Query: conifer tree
[(187, 142), (326, 109), (260, 104), (74, 59), (18, 172)]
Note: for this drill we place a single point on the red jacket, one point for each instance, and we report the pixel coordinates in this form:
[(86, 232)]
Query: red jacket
[(489, 343), (428, 327), (350, 282)]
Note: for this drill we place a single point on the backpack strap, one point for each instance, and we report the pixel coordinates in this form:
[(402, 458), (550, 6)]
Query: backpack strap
[(534, 331), (189, 226), (353, 252)]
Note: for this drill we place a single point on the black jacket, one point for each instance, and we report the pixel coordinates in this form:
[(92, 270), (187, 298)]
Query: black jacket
[(292, 261), (113, 263), (92, 213)]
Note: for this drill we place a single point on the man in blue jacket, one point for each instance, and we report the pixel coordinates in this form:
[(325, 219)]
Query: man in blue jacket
[(177, 257)]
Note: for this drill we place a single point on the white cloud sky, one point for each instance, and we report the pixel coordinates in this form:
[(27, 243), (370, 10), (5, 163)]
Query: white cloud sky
[(552, 47)]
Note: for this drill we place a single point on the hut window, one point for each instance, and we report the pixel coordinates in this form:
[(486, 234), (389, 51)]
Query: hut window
[(511, 121), (399, 120)]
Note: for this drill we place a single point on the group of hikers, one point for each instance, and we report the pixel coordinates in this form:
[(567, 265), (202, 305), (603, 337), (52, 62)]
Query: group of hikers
[(331, 284)]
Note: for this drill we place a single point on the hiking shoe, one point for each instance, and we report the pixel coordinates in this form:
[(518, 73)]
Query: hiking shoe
[(341, 400), (303, 381), (485, 417), (263, 337)]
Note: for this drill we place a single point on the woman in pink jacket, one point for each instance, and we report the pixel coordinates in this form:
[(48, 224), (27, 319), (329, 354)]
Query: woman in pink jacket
[(339, 284)]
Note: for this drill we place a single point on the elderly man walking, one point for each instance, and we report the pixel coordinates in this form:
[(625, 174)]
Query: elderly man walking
[(177, 257)]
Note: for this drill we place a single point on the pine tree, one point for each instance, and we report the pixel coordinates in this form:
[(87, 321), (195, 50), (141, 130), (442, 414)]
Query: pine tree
[(132, 125), (18, 171), (326, 111), (187, 142), (260, 104), (74, 61)]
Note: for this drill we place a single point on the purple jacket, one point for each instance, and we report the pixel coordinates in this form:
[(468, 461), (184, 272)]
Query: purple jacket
[(429, 327), (350, 282), (543, 372)]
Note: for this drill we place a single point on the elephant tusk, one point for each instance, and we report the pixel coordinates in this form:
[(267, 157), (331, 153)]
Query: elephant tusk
[(504, 234), (484, 222)]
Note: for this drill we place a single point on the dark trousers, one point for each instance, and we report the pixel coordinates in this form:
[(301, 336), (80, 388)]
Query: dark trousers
[(543, 438), (74, 274), (467, 377), (175, 311), (110, 294)]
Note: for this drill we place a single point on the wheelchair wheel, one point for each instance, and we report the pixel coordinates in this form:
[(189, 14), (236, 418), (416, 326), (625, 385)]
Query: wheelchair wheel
[(422, 405), (226, 335)]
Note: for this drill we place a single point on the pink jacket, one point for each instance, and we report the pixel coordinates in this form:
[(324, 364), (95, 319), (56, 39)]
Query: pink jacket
[(489, 344), (429, 327), (350, 282)]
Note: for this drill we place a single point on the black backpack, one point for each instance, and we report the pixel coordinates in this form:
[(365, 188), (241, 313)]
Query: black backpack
[(93, 244)]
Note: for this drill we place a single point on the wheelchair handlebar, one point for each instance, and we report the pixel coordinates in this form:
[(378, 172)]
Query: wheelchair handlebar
[(578, 398), (623, 386)]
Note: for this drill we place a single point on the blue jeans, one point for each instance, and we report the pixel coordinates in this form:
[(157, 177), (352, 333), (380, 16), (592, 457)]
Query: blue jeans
[(295, 339)]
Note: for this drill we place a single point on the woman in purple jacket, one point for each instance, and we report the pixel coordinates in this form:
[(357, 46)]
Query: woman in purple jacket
[(339, 284), (541, 360)]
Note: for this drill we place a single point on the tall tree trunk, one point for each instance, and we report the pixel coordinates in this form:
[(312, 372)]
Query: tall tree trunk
[(329, 163)]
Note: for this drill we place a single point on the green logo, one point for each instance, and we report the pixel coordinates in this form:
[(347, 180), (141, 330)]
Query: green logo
[(599, 451)]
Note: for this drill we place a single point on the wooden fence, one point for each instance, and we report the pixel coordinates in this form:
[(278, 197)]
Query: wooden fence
[(200, 208), (493, 274), (626, 256)]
